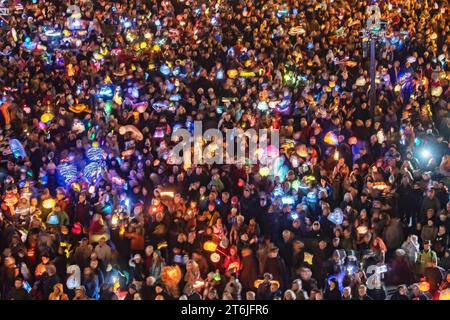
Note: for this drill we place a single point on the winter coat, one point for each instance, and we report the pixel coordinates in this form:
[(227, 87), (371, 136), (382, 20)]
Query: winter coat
[(249, 272)]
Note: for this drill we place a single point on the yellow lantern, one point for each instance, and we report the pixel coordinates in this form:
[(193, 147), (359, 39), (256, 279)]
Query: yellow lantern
[(232, 73), (424, 286), (81, 107), (247, 74), (49, 203), (258, 282), (264, 171), (143, 45), (47, 117), (210, 246), (445, 294), (76, 187)]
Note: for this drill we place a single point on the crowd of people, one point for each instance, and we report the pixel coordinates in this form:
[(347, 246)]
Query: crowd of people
[(93, 206)]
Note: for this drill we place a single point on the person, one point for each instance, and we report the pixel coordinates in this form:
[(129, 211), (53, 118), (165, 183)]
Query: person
[(332, 292), (19, 292), (426, 256), (80, 294), (362, 293), (90, 128), (401, 293), (58, 293)]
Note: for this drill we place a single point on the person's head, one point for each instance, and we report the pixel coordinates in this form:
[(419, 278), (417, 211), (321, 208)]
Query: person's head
[(347, 293), (402, 290), (18, 283), (250, 295), (362, 290), (289, 295)]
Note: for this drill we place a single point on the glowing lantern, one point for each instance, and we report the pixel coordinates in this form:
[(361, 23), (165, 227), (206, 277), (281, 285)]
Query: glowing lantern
[(47, 117), (76, 187), (337, 216), (210, 246), (331, 138), (302, 150), (296, 185), (215, 257), (10, 199), (114, 220), (247, 74), (308, 258), (362, 230), (49, 203), (79, 108), (336, 155), (258, 282), (264, 171), (53, 220), (232, 73), (198, 284), (424, 286), (143, 45), (169, 194), (444, 294)]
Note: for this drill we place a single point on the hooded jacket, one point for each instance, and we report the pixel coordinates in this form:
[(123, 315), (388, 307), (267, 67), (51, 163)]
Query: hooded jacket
[(60, 295)]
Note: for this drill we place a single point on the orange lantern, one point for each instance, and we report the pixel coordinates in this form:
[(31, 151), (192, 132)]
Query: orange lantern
[(444, 294), (49, 203), (424, 286)]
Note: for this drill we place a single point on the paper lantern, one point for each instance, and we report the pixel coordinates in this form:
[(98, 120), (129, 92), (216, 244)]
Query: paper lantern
[(53, 219), (79, 108), (215, 257), (331, 138), (444, 294), (95, 154), (296, 31), (47, 117), (424, 286), (169, 194), (362, 230), (17, 148), (247, 74), (337, 216), (10, 199), (436, 91), (92, 171), (263, 106), (114, 220), (210, 246), (302, 150), (232, 73), (308, 258), (49, 203), (264, 171), (76, 187), (258, 282), (379, 186)]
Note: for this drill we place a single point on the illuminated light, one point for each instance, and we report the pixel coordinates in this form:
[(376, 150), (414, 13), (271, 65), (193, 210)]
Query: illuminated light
[(147, 35), (263, 106), (425, 153), (444, 294), (106, 91), (91, 189), (108, 107), (294, 216), (258, 282), (232, 73), (417, 141), (331, 138), (17, 148), (76, 186), (215, 258), (210, 246), (362, 230), (198, 284), (424, 286), (169, 194), (79, 108), (264, 171), (175, 97), (67, 171), (288, 200), (337, 216), (47, 117), (92, 171), (336, 155), (95, 154), (53, 219), (49, 203), (165, 70), (114, 220), (220, 74), (296, 185)]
